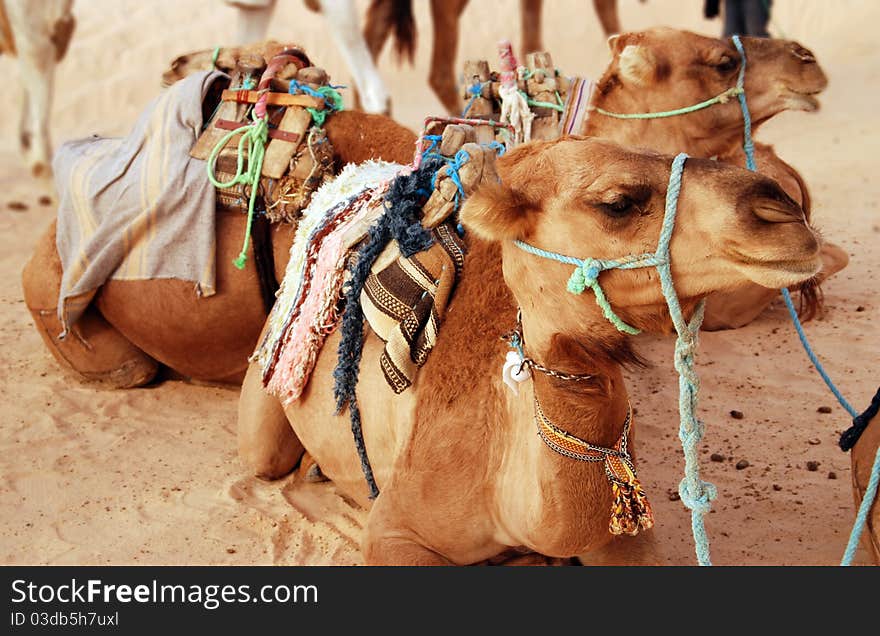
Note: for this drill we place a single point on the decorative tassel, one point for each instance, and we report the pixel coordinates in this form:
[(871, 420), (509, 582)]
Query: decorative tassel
[(631, 510)]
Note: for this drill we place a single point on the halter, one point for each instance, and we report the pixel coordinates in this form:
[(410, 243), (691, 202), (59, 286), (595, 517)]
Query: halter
[(737, 91), (695, 493)]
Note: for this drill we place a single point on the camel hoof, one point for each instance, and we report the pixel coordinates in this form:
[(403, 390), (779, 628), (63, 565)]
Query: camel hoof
[(41, 170)]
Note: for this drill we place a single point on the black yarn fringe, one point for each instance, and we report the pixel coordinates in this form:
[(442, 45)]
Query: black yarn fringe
[(851, 435), (401, 222)]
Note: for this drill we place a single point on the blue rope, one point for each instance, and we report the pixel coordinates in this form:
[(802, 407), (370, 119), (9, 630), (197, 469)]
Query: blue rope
[(748, 144), (871, 491), (786, 296), (475, 90), (862, 515), (696, 494)]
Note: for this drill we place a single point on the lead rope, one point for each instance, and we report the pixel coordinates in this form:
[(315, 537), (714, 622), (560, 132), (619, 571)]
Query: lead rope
[(850, 436)]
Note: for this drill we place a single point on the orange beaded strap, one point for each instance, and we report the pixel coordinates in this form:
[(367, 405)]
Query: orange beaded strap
[(630, 510)]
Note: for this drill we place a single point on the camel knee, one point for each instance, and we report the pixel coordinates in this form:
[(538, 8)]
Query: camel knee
[(266, 442), (93, 349)]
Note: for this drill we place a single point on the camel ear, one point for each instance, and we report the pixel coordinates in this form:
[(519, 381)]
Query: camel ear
[(497, 213), (614, 43), (636, 64), (509, 209)]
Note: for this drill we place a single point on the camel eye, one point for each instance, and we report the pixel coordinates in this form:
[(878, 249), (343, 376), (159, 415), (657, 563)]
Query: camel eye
[(726, 64), (618, 208)]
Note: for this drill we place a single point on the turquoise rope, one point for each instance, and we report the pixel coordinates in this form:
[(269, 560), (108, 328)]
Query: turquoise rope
[(862, 516), (871, 491), (696, 494), (786, 296)]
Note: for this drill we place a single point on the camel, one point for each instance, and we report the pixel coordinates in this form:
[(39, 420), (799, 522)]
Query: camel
[(201, 338), (663, 69), (342, 22), (120, 340), (385, 15), (462, 474), (38, 34)]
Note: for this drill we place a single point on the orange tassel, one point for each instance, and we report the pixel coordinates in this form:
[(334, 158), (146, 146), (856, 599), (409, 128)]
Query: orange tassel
[(630, 510)]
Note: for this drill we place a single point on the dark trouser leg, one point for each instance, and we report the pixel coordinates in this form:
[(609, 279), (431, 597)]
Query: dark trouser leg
[(757, 15), (734, 21)]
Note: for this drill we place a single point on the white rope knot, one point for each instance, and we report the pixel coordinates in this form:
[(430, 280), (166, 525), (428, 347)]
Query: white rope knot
[(700, 502)]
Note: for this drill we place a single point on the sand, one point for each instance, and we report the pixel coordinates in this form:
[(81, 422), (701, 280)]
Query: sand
[(92, 476)]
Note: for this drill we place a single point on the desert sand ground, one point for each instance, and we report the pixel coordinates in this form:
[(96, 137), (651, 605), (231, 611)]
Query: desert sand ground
[(151, 476)]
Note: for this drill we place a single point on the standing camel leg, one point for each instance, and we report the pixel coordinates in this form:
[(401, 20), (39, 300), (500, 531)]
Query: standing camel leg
[(342, 20), (266, 442), (606, 11), (94, 349), (530, 25), (253, 19), (445, 14), (377, 28)]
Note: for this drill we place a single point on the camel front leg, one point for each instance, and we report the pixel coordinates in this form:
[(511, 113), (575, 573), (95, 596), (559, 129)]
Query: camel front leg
[(389, 542), (342, 20), (530, 25), (37, 70), (445, 14), (606, 11), (266, 442)]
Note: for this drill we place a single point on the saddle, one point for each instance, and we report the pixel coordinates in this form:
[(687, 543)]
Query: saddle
[(297, 97)]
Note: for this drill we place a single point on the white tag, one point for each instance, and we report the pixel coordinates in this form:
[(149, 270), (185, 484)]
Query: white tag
[(514, 372)]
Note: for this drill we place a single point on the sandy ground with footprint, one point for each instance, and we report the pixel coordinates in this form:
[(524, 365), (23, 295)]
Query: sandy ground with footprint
[(93, 476)]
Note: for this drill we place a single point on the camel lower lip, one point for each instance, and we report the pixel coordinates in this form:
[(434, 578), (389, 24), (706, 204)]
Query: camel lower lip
[(806, 100)]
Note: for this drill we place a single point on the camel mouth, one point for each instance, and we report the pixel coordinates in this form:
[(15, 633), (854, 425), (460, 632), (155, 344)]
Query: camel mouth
[(804, 100), (776, 274)]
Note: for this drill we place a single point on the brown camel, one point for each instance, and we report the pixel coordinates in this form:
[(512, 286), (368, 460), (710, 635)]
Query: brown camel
[(463, 476), (209, 339), (663, 69), (201, 338), (383, 16)]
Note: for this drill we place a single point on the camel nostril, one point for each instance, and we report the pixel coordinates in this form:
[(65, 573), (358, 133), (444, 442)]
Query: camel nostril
[(805, 55)]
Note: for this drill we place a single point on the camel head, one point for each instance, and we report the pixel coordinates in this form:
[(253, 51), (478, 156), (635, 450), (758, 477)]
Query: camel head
[(664, 69), (591, 198)]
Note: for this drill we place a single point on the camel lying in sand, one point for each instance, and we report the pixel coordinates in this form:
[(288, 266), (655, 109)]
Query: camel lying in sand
[(38, 34), (121, 338), (462, 473), (207, 338)]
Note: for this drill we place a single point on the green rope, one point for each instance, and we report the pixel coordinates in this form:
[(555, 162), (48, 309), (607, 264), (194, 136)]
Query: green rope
[(214, 56), (333, 99), (718, 99), (532, 102), (255, 135)]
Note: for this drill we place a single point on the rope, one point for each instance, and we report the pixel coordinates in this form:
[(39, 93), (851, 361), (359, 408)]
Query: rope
[(862, 516), (696, 494), (721, 98), (475, 90), (786, 296), (331, 97), (860, 422), (255, 135), (214, 56)]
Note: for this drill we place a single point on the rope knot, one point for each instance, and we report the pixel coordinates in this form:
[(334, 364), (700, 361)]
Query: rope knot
[(701, 501), (585, 275)]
